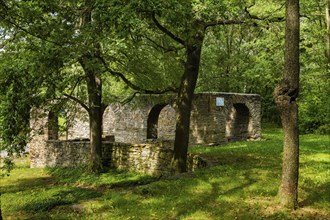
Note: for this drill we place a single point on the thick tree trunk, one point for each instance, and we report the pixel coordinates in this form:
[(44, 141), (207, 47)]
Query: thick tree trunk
[(95, 121), (184, 102), (95, 111), (285, 96)]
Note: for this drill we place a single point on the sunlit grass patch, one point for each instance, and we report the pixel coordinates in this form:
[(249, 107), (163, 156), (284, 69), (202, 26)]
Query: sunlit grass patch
[(198, 215), (270, 209), (45, 199), (241, 184), (24, 178), (314, 182)]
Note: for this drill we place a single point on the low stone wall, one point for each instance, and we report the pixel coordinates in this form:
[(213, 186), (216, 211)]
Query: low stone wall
[(151, 158), (55, 153)]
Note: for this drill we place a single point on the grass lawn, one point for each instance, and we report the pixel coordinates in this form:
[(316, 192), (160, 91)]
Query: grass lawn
[(242, 184)]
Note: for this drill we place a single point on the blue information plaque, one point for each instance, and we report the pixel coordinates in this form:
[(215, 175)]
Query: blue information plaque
[(219, 101)]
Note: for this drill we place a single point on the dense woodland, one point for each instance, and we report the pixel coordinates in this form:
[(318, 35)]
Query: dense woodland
[(95, 52)]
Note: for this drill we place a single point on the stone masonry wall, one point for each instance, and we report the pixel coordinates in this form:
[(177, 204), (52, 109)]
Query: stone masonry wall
[(207, 121), (147, 119), (238, 119), (166, 123), (130, 121), (153, 159), (210, 124), (60, 154)]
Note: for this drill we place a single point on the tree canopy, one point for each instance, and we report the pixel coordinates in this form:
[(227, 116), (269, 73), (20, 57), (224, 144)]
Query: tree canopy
[(47, 48)]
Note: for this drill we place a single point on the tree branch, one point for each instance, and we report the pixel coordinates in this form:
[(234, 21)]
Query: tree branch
[(78, 101), (128, 99), (223, 22), (76, 84), (29, 33), (166, 31), (164, 49), (136, 87), (132, 85), (267, 18), (254, 17)]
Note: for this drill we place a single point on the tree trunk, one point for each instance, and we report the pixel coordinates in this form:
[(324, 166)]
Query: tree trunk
[(94, 85), (184, 103), (95, 111), (285, 97)]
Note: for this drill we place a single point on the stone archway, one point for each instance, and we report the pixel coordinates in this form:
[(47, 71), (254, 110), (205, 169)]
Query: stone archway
[(237, 126), (152, 122)]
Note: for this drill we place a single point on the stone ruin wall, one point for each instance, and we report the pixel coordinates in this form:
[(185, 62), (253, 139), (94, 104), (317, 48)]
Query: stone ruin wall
[(238, 119), (150, 159)]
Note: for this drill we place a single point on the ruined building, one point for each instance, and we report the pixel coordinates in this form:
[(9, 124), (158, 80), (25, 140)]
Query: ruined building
[(144, 129)]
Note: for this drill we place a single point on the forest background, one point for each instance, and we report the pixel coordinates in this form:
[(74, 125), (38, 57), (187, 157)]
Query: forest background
[(44, 45)]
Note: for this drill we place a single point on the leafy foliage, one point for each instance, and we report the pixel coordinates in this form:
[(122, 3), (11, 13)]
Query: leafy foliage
[(315, 78), (249, 58), (42, 41)]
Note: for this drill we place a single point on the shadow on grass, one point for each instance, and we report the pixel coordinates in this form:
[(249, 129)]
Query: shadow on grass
[(197, 197), (66, 174), (23, 184), (316, 194), (37, 196), (111, 179), (49, 199), (245, 161)]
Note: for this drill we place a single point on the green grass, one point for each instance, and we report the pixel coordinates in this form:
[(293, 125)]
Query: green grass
[(243, 185)]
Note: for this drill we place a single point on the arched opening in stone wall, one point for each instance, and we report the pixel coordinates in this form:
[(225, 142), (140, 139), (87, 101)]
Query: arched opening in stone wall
[(52, 126), (152, 122), (57, 125), (238, 122), (166, 123)]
